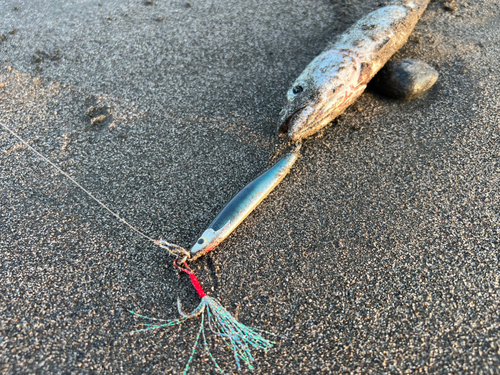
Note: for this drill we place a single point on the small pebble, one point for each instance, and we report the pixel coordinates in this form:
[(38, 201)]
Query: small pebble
[(3, 38), (405, 79), (13, 32)]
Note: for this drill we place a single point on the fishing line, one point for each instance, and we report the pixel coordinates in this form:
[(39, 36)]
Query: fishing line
[(76, 183), (238, 337)]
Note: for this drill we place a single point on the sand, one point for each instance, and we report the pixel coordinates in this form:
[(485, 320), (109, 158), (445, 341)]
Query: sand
[(378, 253)]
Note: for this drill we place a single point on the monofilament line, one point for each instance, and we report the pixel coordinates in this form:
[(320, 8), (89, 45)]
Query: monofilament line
[(76, 183)]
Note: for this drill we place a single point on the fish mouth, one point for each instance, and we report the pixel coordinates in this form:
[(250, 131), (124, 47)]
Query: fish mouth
[(285, 126), (297, 126)]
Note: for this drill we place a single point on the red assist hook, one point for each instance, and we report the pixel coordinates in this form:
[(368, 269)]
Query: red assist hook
[(194, 280)]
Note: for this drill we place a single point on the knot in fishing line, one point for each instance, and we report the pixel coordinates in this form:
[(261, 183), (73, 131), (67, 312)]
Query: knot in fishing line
[(182, 254)]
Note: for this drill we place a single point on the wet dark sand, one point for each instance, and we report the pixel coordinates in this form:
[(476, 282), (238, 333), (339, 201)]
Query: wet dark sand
[(378, 253)]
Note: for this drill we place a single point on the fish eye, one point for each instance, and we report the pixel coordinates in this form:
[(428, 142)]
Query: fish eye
[(297, 89), (201, 241)]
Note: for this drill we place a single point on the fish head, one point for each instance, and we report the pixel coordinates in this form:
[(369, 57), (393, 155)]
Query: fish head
[(206, 242), (320, 93), (300, 101)]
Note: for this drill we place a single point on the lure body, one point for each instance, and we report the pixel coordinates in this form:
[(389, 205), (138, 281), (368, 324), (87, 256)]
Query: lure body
[(339, 75), (241, 205)]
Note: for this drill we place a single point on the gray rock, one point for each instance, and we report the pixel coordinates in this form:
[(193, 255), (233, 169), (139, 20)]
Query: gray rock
[(405, 79)]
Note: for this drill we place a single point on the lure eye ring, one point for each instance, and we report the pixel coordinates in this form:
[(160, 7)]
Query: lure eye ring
[(201, 241), (297, 89)]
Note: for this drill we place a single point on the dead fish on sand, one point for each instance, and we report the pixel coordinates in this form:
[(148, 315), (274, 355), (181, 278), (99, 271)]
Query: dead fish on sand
[(339, 75)]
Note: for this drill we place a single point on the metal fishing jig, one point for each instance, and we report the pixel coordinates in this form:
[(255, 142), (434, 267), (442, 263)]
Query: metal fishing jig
[(243, 204)]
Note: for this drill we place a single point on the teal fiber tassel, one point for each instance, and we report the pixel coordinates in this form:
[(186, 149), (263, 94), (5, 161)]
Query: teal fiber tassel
[(238, 337)]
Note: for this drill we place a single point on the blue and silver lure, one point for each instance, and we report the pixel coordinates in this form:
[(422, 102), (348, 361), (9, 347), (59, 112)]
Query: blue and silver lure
[(241, 205)]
